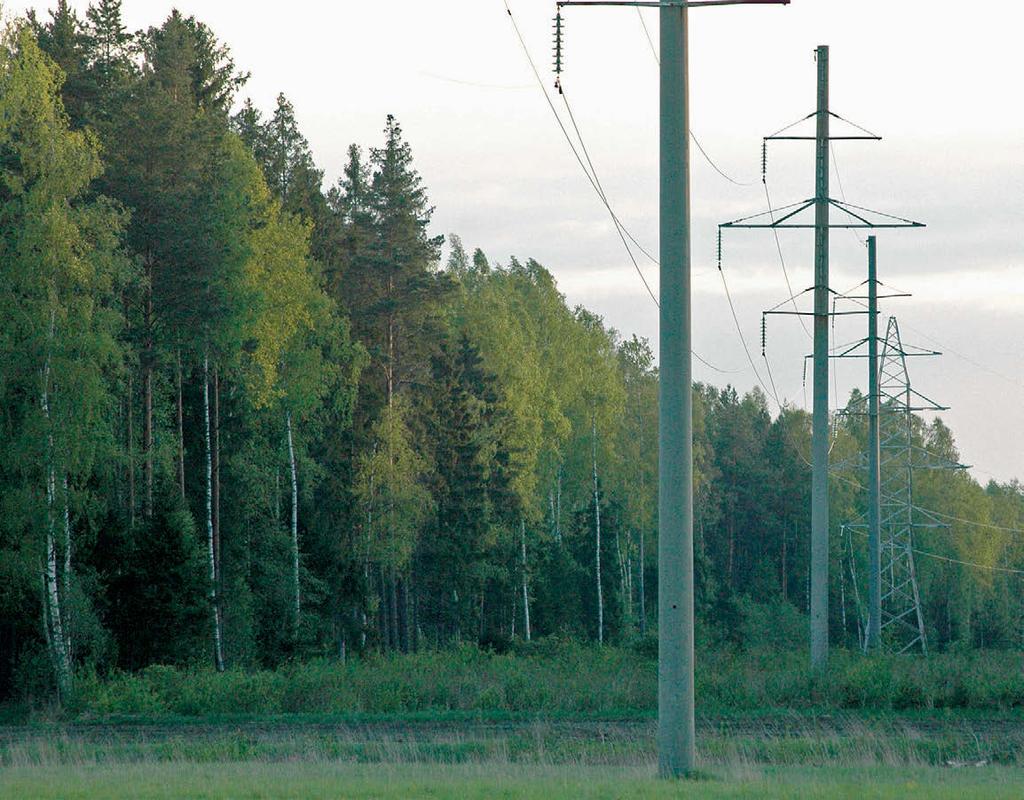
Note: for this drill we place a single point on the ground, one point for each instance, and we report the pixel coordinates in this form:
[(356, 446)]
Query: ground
[(937, 755), (489, 781)]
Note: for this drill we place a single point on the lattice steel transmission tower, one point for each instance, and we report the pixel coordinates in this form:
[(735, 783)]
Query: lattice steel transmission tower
[(828, 214), (902, 620)]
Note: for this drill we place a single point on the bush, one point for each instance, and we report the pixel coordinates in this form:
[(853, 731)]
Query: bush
[(557, 676)]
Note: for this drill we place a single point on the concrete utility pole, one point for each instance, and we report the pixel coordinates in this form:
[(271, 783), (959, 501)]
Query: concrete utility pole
[(676, 727), (791, 217), (874, 638), (819, 435)]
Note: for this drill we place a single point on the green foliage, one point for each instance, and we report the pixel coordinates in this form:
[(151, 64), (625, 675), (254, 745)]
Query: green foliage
[(452, 432), (556, 677)]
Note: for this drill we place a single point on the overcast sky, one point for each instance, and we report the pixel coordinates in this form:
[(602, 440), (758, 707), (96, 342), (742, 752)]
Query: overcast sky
[(939, 80)]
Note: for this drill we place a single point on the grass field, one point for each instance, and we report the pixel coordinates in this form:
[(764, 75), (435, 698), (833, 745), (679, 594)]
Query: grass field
[(489, 781), (791, 756), (558, 720)]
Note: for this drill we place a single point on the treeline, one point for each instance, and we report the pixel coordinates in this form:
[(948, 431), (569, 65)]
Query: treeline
[(247, 420)]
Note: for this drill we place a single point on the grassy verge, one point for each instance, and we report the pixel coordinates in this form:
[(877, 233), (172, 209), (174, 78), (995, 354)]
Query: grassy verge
[(558, 678), (848, 739), (498, 781)]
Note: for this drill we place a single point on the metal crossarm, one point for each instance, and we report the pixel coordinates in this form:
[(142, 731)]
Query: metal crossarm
[(672, 3), (858, 217)]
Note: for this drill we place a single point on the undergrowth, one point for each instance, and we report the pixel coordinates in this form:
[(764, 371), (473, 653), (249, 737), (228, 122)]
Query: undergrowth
[(558, 678)]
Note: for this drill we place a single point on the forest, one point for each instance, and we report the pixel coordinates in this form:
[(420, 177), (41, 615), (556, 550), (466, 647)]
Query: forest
[(253, 414)]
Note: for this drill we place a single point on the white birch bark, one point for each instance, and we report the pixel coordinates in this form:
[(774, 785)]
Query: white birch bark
[(643, 590), (526, 589), (295, 524), (597, 535), (66, 577), (558, 507), (623, 591), (218, 653), (55, 627)]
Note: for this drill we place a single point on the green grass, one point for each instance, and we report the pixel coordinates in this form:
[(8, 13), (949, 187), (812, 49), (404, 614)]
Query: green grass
[(332, 780), (556, 678)]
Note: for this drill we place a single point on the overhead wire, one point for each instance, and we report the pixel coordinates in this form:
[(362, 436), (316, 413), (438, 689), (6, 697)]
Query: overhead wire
[(621, 229), (973, 523), (696, 141), (842, 190), (947, 559)]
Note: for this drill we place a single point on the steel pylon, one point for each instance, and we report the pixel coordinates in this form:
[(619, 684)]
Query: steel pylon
[(902, 620)]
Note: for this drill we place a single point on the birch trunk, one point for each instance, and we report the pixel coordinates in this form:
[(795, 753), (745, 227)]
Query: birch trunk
[(597, 535), (785, 587), (218, 654), (623, 580), (526, 589), (643, 593), (295, 524), (215, 432), (66, 576), (181, 433), (629, 579), (131, 452), (147, 436), (393, 611), (558, 507), (55, 628)]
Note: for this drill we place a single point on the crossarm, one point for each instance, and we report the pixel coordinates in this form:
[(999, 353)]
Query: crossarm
[(672, 3)]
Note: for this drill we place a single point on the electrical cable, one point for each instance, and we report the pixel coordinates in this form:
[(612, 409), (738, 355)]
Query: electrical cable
[(743, 341), (926, 554), (693, 136), (623, 231), (842, 191), (782, 258), (973, 523)]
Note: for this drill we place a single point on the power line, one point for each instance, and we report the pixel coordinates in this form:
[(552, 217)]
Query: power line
[(947, 559), (696, 141), (475, 84), (743, 341), (572, 145), (601, 191), (973, 523), (592, 179), (842, 191), (782, 258)]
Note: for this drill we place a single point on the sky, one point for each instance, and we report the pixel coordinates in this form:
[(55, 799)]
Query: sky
[(938, 80)]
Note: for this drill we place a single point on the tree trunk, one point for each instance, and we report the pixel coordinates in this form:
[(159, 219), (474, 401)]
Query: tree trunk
[(66, 576), (181, 433), (623, 579), (383, 612), (54, 623), (558, 507), (597, 535), (629, 579), (215, 430), (218, 654), (56, 632), (526, 589), (393, 610), (643, 590), (732, 548), (131, 451), (295, 526), (785, 587), (407, 623), (147, 436)]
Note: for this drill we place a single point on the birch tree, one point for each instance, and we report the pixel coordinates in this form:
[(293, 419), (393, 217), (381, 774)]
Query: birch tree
[(60, 275)]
